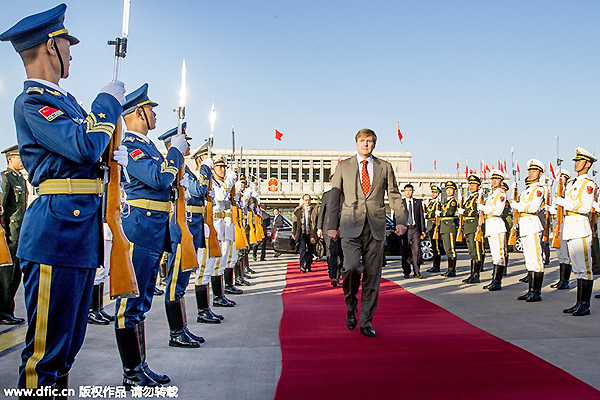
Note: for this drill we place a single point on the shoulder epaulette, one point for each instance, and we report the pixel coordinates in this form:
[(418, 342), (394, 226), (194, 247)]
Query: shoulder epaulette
[(54, 92), (35, 89), (129, 139)]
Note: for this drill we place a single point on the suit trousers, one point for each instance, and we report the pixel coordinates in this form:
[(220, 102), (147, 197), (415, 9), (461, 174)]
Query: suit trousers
[(306, 251), (370, 250), (411, 250), (335, 257)]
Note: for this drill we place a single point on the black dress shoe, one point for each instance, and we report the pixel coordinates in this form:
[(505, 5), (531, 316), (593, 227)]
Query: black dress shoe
[(96, 318), (10, 320), (302, 269), (434, 269), (368, 332), (181, 339), (158, 292), (351, 320)]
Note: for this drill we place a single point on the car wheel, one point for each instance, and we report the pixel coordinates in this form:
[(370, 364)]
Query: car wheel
[(518, 245), (426, 250)]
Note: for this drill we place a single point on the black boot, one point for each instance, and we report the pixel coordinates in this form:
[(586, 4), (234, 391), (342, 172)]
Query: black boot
[(197, 338), (494, 267), (229, 286), (62, 383), (497, 281), (218, 299), (162, 379), (565, 278), (586, 296), (525, 279), (436, 264), (178, 336), (95, 317), (505, 265), (205, 315), (239, 280), (130, 352), (106, 315), (451, 268), (470, 278), (476, 271), (561, 273), (530, 291), (572, 309), (538, 279)]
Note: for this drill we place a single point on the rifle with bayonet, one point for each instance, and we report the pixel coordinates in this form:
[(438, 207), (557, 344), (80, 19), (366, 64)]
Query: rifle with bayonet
[(123, 282), (461, 220), (214, 247), (189, 260), (546, 232), (512, 239), (560, 192)]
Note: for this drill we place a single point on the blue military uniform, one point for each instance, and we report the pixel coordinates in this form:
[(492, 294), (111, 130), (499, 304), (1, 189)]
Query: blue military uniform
[(61, 237), (146, 224), (177, 279)]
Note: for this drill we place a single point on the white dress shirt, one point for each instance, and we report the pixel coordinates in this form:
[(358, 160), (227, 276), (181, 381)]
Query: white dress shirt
[(369, 167)]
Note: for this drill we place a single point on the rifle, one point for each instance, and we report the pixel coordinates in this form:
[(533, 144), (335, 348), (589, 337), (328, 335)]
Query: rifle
[(189, 260), (123, 282), (252, 238), (560, 192), (214, 248), (461, 221), (438, 221), (512, 239), (479, 231), (546, 233), (240, 234), (5, 258)]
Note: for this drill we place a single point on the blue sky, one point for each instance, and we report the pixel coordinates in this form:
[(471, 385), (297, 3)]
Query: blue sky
[(465, 79)]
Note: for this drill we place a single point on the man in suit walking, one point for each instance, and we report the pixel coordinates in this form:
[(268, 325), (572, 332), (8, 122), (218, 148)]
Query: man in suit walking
[(357, 209), (411, 240), (335, 257), (304, 231)]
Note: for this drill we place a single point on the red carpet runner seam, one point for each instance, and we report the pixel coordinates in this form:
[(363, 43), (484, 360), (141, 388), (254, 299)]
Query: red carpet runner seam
[(421, 351)]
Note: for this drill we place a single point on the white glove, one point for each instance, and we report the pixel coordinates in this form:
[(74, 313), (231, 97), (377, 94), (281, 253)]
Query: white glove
[(550, 209), (208, 161), (559, 201), (515, 185), (180, 143), (211, 193), (206, 231), (238, 187), (185, 181), (230, 177), (461, 211), (482, 207), (120, 156), (438, 213), (596, 206), (517, 206), (187, 194), (116, 89)]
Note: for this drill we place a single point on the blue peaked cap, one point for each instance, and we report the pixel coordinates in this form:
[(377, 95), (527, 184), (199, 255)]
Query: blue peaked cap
[(38, 28), (137, 98), (168, 135)]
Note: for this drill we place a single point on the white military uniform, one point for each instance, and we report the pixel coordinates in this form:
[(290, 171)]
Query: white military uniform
[(495, 230), (577, 232), (530, 226), (224, 226)]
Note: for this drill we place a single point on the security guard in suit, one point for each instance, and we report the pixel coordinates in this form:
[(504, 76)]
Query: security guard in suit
[(146, 224), (578, 203), (436, 246), (14, 202), (177, 279), (471, 221), (448, 229), (60, 244)]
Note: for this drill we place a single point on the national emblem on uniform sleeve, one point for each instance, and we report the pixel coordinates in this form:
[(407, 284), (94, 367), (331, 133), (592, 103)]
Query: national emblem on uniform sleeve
[(590, 190), (501, 198), (136, 154), (50, 113), (538, 193)]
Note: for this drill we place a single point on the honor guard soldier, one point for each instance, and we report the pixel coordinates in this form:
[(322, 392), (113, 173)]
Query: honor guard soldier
[(14, 202), (448, 228), (60, 244), (223, 181), (243, 260), (146, 225), (495, 229), (470, 215), (507, 217), (177, 279), (562, 253), (578, 203), (530, 203), (431, 227), (204, 164)]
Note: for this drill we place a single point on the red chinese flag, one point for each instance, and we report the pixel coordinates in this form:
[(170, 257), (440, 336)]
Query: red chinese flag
[(487, 168), (467, 172), (410, 165), (457, 164), (435, 164), (552, 170), (505, 165), (278, 135), (500, 165), (399, 134)]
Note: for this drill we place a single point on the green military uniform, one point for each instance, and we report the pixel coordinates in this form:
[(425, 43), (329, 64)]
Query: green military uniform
[(436, 245), (448, 230), (470, 225), (14, 203)]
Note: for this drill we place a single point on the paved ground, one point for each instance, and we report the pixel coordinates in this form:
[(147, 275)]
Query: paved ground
[(242, 359)]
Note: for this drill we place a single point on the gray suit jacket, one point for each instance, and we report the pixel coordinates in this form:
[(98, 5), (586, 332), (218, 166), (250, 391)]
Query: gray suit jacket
[(348, 207)]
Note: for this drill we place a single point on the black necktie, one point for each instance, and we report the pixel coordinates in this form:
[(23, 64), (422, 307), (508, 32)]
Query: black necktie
[(411, 220)]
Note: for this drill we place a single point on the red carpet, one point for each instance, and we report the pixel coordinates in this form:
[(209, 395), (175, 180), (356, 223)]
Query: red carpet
[(421, 352)]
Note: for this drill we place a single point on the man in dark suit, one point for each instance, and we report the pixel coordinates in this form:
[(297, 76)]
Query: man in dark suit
[(277, 224), (357, 209), (304, 231), (335, 257), (411, 240)]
